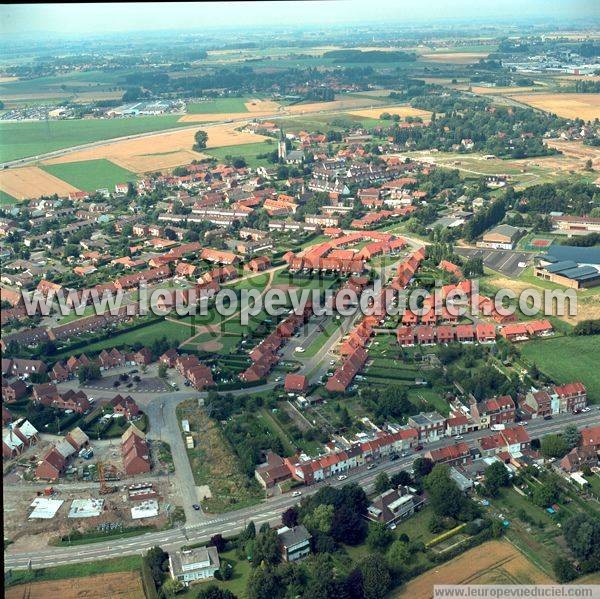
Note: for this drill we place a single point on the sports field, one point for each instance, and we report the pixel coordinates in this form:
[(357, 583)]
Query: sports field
[(89, 175), (568, 359), (22, 140)]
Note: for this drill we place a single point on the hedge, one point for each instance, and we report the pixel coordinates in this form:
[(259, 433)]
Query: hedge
[(445, 535)]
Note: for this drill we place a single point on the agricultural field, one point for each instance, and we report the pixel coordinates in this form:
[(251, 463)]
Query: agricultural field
[(32, 182), (249, 152), (6, 199), (22, 140), (119, 585), (567, 359), (494, 562), (218, 106), (90, 175), (571, 106), (401, 111), (163, 150), (454, 57)]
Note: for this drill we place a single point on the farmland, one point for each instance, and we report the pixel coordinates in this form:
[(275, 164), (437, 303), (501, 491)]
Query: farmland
[(90, 175), (567, 359), (32, 182), (495, 562), (573, 106), (249, 152), (121, 585), (21, 140), (218, 105)]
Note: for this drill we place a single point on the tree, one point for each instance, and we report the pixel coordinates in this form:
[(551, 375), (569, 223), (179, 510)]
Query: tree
[(289, 518), (172, 586), (376, 577), (162, 370), (545, 495), (382, 483), (495, 476), (444, 495), (422, 467), (250, 532), (201, 137), (214, 592), (379, 536), (564, 570), (266, 548), (582, 535), (571, 436), (398, 554), (553, 446), (264, 583), (157, 561), (320, 519), (218, 542), (348, 526)]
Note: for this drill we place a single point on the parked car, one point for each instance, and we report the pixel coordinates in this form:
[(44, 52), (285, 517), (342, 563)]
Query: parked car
[(370, 466), (418, 448), (196, 507), (394, 457), (296, 493), (342, 477), (459, 437), (547, 417)]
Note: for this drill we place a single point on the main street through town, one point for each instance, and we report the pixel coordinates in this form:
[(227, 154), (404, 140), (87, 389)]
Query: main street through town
[(267, 511)]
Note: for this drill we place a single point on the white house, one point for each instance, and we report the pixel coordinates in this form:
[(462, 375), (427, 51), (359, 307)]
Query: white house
[(194, 564)]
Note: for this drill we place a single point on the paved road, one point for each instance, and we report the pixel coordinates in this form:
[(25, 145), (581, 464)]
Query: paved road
[(268, 511)]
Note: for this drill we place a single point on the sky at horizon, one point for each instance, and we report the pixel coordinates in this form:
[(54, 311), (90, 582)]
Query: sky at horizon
[(69, 19)]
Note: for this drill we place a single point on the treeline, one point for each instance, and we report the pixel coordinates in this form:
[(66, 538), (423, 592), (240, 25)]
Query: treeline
[(370, 56), (586, 87), (582, 241), (564, 196), (587, 327), (484, 219)]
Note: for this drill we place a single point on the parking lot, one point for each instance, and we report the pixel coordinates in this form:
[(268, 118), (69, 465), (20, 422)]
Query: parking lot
[(505, 262)]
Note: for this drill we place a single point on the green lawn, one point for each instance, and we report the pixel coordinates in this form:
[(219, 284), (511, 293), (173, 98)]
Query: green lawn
[(20, 140), (248, 152), (218, 105), (89, 175), (568, 359)]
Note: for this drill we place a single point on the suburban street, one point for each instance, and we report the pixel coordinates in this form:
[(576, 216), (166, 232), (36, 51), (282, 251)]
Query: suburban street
[(267, 511)]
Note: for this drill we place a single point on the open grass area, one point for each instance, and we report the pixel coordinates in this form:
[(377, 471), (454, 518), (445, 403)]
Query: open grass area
[(249, 152), (21, 140), (120, 564), (218, 105), (89, 175), (6, 199), (567, 359)]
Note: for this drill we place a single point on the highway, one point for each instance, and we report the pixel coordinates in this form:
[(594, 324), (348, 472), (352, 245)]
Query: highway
[(267, 511)]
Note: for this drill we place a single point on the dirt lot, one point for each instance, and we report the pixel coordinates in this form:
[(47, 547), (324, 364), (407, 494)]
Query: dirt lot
[(123, 585), (402, 111), (583, 106), (454, 57), (262, 106), (576, 150), (32, 182), (163, 150), (495, 562)]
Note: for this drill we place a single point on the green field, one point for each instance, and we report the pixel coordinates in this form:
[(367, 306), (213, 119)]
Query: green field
[(568, 359), (248, 152), (218, 106), (21, 140), (89, 175), (6, 199)]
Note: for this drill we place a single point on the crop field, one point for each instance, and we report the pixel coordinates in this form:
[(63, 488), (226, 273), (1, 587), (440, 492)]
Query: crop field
[(495, 562), (218, 106), (21, 140), (6, 199), (31, 182), (567, 359), (120, 585), (572, 106), (90, 175), (454, 57), (163, 150)]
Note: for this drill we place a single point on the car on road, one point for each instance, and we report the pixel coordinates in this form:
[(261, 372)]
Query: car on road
[(459, 437), (331, 362), (196, 507), (547, 417), (394, 457), (586, 409), (418, 448), (370, 466), (300, 350), (134, 371), (296, 493), (342, 477)]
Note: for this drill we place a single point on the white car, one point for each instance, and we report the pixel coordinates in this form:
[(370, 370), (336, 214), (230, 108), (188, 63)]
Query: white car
[(296, 493), (342, 477), (458, 437), (299, 350)]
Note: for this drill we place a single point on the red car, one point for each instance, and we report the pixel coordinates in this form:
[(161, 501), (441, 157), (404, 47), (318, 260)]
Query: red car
[(418, 448)]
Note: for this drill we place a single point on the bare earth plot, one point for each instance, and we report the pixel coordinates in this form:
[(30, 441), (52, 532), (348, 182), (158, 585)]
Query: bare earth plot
[(161, 151), (571, 106), (401, 111), (120, 585), (32, 182), (576, 149), (495, 562)]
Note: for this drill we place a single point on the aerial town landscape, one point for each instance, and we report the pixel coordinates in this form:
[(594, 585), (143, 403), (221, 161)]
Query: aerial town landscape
[(299, 299)]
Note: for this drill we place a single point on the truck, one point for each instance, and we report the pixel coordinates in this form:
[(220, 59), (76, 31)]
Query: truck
[(498, 427)]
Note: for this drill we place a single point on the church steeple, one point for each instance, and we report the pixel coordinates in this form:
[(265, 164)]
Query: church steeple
[(281, 146)]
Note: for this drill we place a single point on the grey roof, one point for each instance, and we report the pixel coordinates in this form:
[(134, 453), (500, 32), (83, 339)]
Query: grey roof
[(508, 230), (580, 255), (293, 536), (194, 556), (581, 273), (562, 265)]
